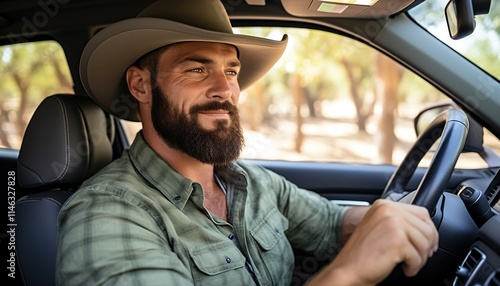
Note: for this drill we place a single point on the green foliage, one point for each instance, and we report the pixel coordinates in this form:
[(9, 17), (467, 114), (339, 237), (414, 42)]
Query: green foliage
[(31, 72), (317, 56), (320, 58), (31, 66)]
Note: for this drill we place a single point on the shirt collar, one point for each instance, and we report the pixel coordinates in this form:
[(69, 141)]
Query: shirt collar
[(173, 185)]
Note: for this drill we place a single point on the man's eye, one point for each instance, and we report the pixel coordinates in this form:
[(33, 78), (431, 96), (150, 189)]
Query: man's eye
[(196, 70), (232, 73)]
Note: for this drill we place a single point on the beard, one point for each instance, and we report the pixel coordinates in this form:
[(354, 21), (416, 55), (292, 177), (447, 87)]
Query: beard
[(181, 131)]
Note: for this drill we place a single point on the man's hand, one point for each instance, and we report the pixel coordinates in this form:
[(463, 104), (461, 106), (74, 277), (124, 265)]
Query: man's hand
[(388, 233)]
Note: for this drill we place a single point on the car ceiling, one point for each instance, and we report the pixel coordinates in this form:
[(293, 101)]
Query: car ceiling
[(52, 15)]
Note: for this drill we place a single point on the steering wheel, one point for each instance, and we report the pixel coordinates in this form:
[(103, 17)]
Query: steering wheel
[(452, 126)]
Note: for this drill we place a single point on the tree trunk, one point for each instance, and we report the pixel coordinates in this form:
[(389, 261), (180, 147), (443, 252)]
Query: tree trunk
[(21, 122), (387, 78), (64, 82), (298, 96), (4, 119), (354, 82), (310, 101)]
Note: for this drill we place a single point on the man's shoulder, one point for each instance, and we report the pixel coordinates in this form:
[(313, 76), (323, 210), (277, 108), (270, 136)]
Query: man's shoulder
[(115, 183), (119, 165)]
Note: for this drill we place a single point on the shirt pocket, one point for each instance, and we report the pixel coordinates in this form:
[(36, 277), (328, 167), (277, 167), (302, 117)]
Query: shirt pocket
[(275, 249), (270, 230), (218, 264)]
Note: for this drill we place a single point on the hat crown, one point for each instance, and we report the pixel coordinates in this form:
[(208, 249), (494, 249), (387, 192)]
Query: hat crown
[(204, 14)]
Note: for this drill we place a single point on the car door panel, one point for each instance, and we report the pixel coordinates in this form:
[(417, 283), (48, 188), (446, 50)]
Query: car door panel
[(353, 182)]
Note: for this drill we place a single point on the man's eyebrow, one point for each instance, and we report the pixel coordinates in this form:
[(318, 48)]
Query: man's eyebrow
[(202, 60), (235, 63)]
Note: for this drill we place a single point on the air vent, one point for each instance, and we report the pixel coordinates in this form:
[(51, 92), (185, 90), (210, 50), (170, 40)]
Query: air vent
[(469, 267), (494, 279), (492, 193)]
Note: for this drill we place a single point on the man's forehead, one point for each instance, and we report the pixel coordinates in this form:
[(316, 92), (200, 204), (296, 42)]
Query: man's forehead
[(186, 49)]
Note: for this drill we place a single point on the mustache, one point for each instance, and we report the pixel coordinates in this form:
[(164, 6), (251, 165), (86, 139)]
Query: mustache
[(214, 105)]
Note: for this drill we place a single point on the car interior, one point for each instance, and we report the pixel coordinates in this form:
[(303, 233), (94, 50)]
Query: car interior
[(69, 137)]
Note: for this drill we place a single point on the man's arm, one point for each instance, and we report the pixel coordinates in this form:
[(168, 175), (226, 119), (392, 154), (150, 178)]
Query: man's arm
[(376, 239), (351, 219), (108, 240)]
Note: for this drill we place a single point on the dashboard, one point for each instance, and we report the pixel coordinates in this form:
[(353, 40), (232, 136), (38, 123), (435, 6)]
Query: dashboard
[(481, 266)]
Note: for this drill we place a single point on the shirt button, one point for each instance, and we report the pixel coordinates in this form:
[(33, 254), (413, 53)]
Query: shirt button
[(231, 236), (276, 229), (228, 260), (178, 198)]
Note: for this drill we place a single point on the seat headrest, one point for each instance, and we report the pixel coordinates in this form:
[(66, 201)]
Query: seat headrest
[(67, 140)]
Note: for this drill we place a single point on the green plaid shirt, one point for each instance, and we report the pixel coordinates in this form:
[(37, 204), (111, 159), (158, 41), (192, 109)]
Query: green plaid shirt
[(140, 222)]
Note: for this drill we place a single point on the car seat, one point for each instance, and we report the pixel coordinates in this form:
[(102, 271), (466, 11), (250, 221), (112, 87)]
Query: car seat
[(68, 139)]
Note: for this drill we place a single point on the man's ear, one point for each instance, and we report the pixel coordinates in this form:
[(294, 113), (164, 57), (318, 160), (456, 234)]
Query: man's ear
[(139, 83)]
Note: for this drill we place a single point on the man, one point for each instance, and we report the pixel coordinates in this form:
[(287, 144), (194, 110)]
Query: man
[(178, 208)]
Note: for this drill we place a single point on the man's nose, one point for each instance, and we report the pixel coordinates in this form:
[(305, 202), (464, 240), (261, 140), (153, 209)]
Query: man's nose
[(221, 87)]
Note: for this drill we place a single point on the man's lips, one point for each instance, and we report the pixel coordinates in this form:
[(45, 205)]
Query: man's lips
[(216, 113)]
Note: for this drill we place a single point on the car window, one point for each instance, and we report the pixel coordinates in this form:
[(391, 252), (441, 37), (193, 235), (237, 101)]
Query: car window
[(331, 98), (30, 72)]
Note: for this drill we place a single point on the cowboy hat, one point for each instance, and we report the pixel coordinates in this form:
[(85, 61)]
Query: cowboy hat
[(110, 52)]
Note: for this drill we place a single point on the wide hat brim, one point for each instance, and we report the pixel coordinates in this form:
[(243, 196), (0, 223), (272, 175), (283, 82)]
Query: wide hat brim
[(111, 51)]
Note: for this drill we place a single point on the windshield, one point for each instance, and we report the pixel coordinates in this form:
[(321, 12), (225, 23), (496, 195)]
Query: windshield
[(481, 47)]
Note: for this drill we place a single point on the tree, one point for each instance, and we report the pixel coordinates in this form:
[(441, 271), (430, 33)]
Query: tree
[(387, 79), (34, 71)]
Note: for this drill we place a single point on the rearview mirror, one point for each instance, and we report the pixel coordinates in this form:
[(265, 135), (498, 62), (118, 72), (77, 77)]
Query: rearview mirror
[(460, 18), (474, 140)]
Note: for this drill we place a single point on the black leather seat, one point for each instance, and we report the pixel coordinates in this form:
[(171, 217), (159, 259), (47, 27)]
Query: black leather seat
[(68, 139)]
